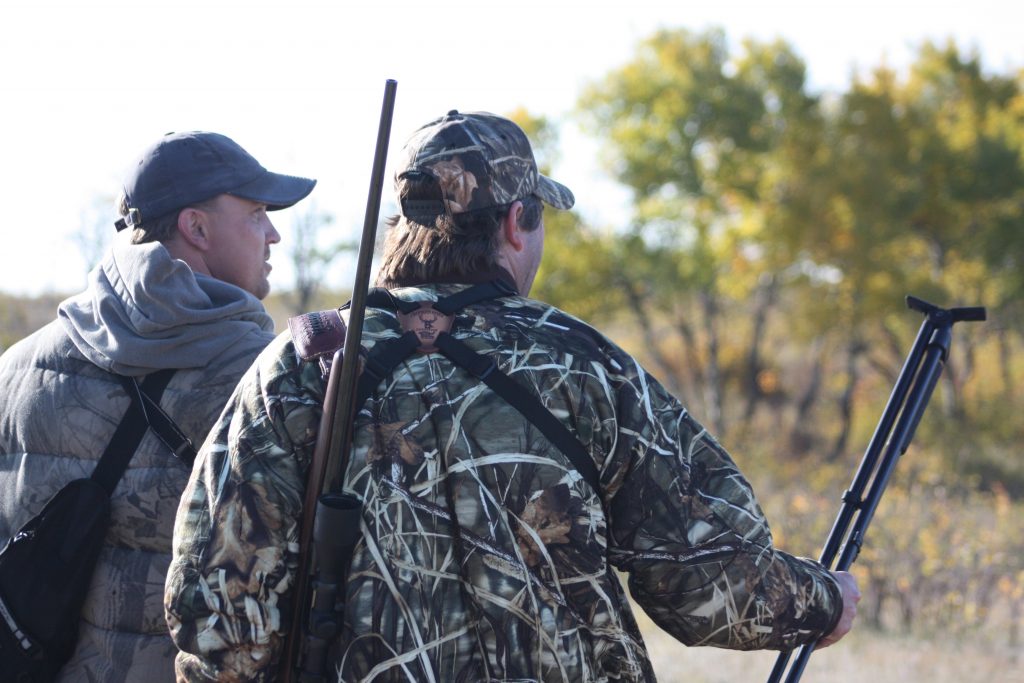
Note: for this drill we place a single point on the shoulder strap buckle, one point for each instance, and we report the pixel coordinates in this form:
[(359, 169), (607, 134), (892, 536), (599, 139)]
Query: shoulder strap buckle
[(426, 322)]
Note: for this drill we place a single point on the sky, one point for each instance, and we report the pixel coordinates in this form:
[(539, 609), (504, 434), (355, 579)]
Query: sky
[(86, 86)]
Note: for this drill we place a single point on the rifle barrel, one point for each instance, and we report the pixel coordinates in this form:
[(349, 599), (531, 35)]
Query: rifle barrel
[(331, 455), (342, 418)]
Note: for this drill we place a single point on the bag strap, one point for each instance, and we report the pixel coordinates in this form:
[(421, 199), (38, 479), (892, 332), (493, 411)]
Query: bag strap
[(379, 363), (528, 405), (385, 357), (378, 297), (133, 426), (160, 422)]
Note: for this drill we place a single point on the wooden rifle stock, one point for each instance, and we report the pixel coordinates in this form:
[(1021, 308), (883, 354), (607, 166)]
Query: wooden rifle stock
[(895, 429), (330, 457)]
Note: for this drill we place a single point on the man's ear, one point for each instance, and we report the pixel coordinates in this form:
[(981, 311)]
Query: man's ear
[(510, 229), (193, 226)]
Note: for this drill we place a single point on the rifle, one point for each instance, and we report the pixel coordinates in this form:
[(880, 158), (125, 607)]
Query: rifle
[(909, 397), (331, 516)]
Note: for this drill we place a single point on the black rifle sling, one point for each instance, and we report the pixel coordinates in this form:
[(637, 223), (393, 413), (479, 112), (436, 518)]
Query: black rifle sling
[(484, 369), (379, 363), (494, 289), (132, 428), (378, 297), (385, 357)]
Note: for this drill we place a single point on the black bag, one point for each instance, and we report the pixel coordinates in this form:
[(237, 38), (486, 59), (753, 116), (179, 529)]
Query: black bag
[(46, 567)]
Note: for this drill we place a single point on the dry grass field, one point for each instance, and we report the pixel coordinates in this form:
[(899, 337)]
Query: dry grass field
[(863, 657)]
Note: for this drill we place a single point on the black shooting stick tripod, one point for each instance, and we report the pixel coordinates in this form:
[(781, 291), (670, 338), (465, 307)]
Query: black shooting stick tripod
[(892, 436)]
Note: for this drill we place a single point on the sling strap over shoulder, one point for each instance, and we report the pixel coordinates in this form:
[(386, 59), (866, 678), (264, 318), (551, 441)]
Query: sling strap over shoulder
[(144, 412), (164, 428), (430, 332)]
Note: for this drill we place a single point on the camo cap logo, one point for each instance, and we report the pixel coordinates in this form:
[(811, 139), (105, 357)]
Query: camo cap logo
[(479, 161)]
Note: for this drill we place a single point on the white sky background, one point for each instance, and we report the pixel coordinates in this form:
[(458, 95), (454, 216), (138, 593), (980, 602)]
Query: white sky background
[(87, 85)]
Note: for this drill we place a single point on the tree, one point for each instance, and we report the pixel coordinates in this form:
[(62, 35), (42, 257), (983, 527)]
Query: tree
[(310, 261), (775, 233), (923, 189), (95, 231), (702, 137), (578, 261)]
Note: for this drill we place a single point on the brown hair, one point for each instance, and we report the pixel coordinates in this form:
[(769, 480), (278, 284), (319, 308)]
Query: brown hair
[(453, 246), (162, 228)]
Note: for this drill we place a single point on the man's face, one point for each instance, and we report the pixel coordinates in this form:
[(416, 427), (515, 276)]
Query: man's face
[(240, 235)]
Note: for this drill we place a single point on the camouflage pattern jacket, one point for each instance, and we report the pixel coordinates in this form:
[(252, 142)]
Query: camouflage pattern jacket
[(484, 555)]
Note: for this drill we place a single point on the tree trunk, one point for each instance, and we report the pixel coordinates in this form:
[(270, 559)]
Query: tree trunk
[(1005, 361), (1013, 632), (765, 300), (801, 436), (690, 350), (668, 372), (878, 591), (853, 351), (713, 401)]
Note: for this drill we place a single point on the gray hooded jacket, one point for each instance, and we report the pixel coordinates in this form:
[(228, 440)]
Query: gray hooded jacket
[(142, 311)]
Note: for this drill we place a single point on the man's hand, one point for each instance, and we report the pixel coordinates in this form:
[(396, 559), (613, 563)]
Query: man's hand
[(851, 596)]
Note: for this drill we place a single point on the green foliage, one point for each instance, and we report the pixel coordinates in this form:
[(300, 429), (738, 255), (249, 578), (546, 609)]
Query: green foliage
[(766, 216), (774, 236), (579, 262)]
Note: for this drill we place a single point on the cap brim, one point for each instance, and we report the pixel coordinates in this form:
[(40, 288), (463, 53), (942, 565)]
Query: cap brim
[(554, 193), (276, 190)]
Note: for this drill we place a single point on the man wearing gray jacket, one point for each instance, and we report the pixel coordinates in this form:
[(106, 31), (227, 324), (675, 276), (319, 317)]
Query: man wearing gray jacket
[(182, 289)]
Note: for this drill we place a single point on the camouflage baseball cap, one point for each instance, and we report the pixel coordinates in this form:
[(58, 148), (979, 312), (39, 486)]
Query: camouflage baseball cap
[(480, 161)]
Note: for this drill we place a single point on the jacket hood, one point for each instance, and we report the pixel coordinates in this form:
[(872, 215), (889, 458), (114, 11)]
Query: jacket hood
[(144, 310)]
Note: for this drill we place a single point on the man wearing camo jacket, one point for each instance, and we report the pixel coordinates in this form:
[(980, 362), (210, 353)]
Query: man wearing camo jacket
[(487, 547)]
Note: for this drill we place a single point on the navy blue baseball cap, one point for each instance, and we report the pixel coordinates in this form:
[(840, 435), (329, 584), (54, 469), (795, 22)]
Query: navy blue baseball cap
[(183, 169)]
